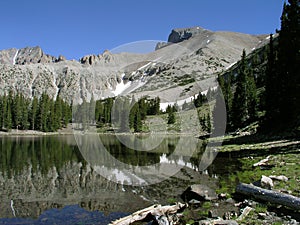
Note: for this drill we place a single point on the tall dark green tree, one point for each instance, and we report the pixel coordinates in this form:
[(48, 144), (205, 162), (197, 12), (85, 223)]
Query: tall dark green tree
[(252, 96), (16, 110), (43, 113), (225, 85), (171, 116), (25, 113), (33, 113), (244, 105), (283, 72), (240, 102)]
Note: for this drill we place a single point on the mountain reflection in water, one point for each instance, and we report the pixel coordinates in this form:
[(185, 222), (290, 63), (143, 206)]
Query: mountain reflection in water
[(49, 172)]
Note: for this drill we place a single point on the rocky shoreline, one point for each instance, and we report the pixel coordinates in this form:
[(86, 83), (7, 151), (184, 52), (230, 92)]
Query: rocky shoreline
[(202, 206)]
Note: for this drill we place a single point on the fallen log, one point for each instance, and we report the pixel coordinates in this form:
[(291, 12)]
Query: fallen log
[(155, 211), (271, 196), (263, 162)]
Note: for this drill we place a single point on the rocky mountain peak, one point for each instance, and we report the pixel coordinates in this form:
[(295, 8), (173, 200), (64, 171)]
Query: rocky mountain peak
[(25, 56), (181, 34), (105, 57)]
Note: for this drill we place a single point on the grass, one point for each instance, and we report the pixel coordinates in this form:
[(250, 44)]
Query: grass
[(284, 164)]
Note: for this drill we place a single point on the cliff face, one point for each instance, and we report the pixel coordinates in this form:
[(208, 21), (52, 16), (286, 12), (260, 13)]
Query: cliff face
[(198, 53), (179, 35), (26, 56)]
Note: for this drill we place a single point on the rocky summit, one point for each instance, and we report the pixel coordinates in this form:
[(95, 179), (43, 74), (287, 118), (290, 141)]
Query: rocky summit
[(175, 71)]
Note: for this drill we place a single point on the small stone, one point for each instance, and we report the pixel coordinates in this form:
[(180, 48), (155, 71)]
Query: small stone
[(262, 215), (230, 200), (222, 196), (266, 182), (212, 214), (194, 201)]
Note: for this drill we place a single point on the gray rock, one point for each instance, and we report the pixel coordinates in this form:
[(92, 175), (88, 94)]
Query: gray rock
[(266, 182), (61, 58), (160, 45), (161, 220), (199, 192), (213, 214)]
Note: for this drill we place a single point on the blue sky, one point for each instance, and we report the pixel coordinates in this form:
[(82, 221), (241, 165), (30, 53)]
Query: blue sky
[(77, 28)]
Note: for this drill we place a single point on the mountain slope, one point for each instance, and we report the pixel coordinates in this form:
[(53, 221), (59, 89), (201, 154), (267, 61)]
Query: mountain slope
[(173, 72)]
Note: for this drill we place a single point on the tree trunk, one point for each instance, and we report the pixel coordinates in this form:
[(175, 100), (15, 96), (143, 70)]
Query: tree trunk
[(273, 197)]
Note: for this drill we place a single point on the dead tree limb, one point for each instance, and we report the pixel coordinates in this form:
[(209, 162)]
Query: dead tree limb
[(155, 210), (271, 196)]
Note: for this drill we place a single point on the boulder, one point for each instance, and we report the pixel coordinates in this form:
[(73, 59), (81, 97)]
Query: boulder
[(199, 192)]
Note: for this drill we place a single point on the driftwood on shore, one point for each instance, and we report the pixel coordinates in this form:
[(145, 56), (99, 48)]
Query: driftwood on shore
[(154, 211), (271, 196), (263, 162)]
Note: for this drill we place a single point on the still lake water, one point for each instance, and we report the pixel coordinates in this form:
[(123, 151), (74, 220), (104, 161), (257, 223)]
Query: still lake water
[(49, 179)]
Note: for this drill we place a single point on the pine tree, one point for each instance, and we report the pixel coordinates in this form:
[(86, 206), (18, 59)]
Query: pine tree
[(58, 105), (171, 117), (43, 113), (33, 113), (251, 96), (16, 110), (225, 86), (282, 76), (289, 60), (240, 101), (25, 111), (143, 107)]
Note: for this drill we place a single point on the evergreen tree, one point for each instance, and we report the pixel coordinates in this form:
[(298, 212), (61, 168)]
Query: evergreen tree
[(199, 100), (33, 113), (25, 110), (171, 117), (143, 107), (240, 101), (137, 121), (52, 122), (282, 76), (58, 111), (16, 111), (252, 97), (43, 113)]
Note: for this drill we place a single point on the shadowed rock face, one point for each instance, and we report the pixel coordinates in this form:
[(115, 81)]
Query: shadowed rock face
[(176, 71), (179, 35)]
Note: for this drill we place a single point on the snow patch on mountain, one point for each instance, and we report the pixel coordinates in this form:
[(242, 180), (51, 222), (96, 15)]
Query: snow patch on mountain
[(15, 57)]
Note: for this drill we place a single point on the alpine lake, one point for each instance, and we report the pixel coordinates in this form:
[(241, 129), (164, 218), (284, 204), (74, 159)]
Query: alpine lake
[(95, 179)]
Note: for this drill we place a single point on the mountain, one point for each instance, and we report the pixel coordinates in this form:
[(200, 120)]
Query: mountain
[(175, 71)]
